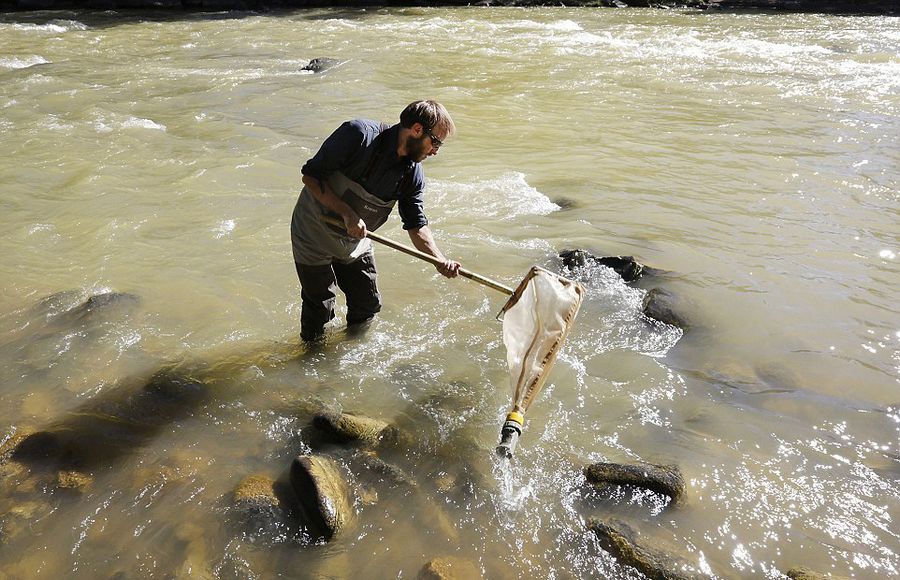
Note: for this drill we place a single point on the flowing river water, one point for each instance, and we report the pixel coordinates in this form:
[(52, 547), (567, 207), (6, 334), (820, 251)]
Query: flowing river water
[(753, 157)]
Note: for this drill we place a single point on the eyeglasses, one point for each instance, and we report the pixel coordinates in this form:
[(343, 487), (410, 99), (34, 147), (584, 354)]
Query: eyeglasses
[(435, 142)]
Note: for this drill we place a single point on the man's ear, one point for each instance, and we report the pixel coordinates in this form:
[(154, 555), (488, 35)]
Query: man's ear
[(418, 129)]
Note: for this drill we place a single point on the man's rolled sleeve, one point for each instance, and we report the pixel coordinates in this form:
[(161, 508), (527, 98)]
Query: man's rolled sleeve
[(412, 203)]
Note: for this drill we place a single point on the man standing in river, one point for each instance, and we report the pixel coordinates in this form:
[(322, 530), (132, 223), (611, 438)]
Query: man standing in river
[(360, 172)]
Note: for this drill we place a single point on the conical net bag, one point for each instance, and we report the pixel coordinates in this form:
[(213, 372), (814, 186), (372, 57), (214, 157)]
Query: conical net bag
[(535, 325)]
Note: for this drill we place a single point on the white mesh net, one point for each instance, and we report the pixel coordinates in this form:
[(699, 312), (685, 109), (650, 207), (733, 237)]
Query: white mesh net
[(534, 328)]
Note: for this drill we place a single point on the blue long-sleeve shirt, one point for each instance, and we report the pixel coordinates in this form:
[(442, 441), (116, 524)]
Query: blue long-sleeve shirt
[(366, 152)]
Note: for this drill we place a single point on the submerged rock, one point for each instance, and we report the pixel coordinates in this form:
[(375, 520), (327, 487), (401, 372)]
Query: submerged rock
[(449, 568), (91, 310), (114, 423), (620, 540), (376, 470), (664, 479), (625, 266), (17, 516), (73, 481), (804, 573), (565, 203), (664, 306), (375, 475), (323, 493)]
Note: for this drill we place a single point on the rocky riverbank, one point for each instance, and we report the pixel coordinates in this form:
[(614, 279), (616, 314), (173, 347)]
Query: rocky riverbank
[(884, 7)]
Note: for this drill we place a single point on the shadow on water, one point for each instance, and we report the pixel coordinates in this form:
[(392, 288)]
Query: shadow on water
[(123, 419), (99, 19), (115, 423), (136, 408)]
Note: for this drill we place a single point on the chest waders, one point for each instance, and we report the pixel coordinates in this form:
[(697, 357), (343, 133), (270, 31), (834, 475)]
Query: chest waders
[(315, 243)]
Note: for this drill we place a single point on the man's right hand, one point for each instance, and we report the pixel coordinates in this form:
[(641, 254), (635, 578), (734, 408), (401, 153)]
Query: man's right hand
[(356, 227)]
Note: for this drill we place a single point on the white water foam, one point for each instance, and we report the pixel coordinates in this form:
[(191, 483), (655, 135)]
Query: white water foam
[(14, 63), (224, 229), (52, 27), (104, 125), (506, 198)]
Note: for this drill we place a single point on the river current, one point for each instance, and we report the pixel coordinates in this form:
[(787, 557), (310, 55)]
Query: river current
[(754, 158)]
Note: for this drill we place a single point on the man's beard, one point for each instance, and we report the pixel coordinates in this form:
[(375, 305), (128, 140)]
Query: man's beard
[(416, 148)]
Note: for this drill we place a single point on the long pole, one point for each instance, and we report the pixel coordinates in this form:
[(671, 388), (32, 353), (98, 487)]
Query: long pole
[(427, 257)]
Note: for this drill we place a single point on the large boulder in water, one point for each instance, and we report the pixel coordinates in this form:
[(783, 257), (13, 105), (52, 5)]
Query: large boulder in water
[(621, 541), (664, 479), (323, 493)]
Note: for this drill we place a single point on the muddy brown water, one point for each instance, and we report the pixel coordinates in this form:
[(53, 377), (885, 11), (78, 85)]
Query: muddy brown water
[(754, 157)]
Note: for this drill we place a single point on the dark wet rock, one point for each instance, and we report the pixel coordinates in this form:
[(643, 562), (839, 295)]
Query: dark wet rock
[(625, 266), (664, 479), (318, 65), (804, 573), (664, 306), (449, 568), (339, 427), (323, 493), (621, 541)]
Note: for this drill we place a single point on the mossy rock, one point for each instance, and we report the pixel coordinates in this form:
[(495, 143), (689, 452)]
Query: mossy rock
[(73, 480), (256, 492), (664, 479), (342, 428)]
